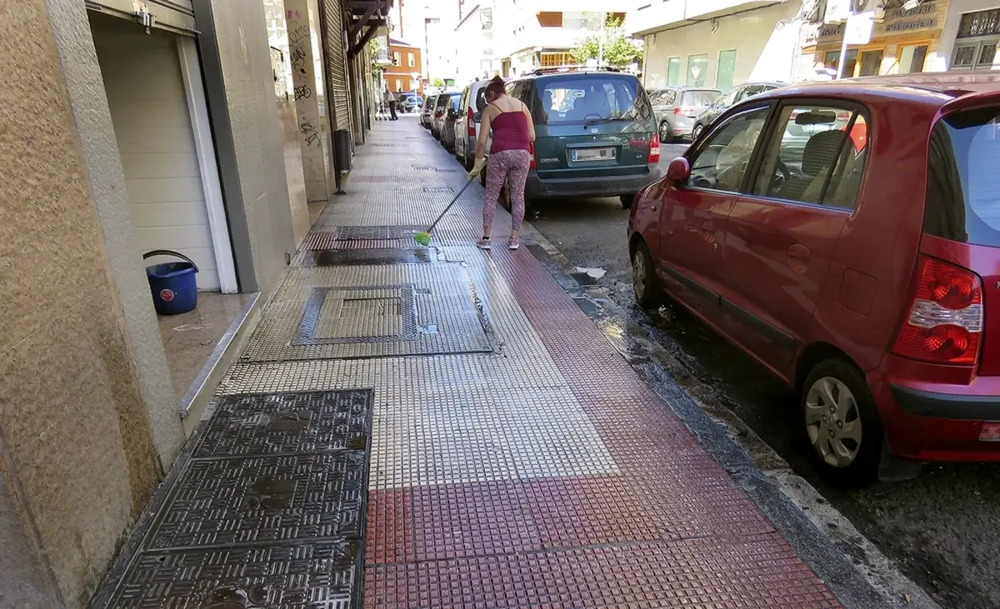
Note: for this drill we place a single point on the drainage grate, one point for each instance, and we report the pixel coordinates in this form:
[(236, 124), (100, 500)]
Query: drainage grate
[(438, 189), (374, 256), (358, 315), (377, 233), (269, 510)]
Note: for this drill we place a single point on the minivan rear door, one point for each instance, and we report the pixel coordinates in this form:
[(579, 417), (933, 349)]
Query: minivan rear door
[(588, 125)]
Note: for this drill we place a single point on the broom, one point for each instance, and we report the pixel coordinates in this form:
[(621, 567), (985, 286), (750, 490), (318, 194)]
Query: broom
[(424, 237)]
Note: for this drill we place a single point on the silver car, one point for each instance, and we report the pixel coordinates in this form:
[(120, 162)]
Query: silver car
[(676, 109)]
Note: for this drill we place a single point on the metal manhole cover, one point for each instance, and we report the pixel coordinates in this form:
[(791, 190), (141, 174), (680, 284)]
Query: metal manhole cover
[(358, 315), (373, 256), (287, 423)]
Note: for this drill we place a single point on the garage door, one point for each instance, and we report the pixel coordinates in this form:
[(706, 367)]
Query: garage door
[(170, 15), (149, 110)]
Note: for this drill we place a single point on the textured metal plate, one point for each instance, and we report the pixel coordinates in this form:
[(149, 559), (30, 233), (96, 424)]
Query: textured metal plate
[(249, 501), (268, 511), (377, 233), (447, 314), (308, 575), (358, 315), (250, 425), (378, 256), (438, 189)]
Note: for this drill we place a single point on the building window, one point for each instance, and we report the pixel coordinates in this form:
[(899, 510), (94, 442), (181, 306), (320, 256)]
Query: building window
[(981, 23), (871, 63), (674, 71), (911, 59), (727, 67), (399, 85), (414, 85), (410, 61), (555, 60), (832, 58), (395, 58), (697, 73)]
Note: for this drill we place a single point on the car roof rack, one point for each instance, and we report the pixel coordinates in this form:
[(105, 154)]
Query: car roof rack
[(572, 68)]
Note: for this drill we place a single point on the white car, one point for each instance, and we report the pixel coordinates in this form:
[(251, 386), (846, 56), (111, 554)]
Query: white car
[(471, 106)]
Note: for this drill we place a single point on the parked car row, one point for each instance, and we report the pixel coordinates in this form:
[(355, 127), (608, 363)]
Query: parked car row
[(595, 131), (683, 112), (876, 298)]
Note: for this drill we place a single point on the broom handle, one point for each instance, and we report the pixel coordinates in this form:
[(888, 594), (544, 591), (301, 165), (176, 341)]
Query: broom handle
[(459, 194)]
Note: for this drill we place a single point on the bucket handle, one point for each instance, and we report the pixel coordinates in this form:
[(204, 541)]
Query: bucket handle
[(170, 253)]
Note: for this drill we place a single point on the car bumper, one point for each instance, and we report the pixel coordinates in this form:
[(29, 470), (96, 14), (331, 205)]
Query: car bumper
[(928, 421), (599, 186)]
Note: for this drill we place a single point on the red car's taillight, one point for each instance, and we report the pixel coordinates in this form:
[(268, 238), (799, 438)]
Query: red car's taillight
[(531, 150), (654, 149), (945, 321), (472, 123)]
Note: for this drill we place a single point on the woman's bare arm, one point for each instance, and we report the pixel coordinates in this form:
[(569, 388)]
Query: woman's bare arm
[(531, 123), (484, 133)]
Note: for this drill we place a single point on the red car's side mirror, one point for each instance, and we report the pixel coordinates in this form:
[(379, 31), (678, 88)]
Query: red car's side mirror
[(678, 172)]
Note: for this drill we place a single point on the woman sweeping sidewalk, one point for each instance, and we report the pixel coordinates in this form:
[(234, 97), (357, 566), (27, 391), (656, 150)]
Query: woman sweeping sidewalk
[(510, 156)]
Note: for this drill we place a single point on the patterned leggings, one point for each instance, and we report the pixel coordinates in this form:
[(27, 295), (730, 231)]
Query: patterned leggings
[(511, 165)]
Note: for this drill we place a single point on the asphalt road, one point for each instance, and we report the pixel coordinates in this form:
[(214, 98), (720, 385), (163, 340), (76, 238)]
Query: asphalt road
[(942, 528)]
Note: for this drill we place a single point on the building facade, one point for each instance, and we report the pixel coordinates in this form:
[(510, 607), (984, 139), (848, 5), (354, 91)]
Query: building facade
[(717, 44), (473, 38), (407, 68), (970, 35), (528, 36), (133, 127)]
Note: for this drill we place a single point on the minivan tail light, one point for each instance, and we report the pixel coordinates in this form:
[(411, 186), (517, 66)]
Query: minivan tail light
[(531, 151), (472, 122), (654, 149), (680, 111), (945, 321)]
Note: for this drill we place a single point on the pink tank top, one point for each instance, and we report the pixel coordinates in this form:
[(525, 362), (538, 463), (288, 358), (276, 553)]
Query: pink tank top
[(510, 131)]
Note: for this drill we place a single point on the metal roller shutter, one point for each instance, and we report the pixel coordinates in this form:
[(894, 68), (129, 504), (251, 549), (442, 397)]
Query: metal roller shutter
[(333, 39), (171, 15)]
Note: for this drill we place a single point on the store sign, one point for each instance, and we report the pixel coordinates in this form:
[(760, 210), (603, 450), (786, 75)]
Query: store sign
[(897, 21)]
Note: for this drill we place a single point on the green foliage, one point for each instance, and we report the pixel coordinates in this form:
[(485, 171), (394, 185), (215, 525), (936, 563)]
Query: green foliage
[(373, 50), (437, 82), (618, 49)]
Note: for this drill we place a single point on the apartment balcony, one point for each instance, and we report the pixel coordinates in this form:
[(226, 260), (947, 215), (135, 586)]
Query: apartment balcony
[(655, 15), (383, 58)]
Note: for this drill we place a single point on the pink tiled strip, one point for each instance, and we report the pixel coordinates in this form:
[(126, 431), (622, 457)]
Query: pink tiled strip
[(668, 529)]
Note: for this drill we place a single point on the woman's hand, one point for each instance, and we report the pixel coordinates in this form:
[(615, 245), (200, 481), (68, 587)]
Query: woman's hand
[(477, 168)]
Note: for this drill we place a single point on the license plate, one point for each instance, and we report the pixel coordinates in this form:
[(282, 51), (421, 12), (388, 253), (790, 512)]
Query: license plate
[(593, 154)]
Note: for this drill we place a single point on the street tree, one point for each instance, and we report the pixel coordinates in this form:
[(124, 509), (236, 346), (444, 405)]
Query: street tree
[(619, 50)]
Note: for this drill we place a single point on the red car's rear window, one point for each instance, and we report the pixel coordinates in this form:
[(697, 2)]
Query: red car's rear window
[(963, 181)]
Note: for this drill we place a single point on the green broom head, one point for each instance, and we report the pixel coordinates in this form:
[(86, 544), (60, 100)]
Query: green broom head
[(423, 238)]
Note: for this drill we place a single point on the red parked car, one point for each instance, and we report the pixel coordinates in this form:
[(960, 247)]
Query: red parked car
[(847, 236)]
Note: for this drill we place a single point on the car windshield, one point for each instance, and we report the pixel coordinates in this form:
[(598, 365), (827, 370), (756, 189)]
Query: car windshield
[(588, 98), (455, 101), (963, 184), (442, 100), (699, 98)]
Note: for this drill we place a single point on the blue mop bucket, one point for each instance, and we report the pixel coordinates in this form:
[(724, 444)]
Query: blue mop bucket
[(172, 284)]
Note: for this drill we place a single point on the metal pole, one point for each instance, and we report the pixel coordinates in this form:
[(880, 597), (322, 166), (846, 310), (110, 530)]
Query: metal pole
[(600, 47), (843, 46)]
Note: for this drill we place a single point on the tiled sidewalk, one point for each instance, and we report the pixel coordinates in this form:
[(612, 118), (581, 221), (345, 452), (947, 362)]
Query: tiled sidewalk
[(516, 460)]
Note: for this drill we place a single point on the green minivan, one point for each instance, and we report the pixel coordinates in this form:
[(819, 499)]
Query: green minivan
[(595, 134)]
